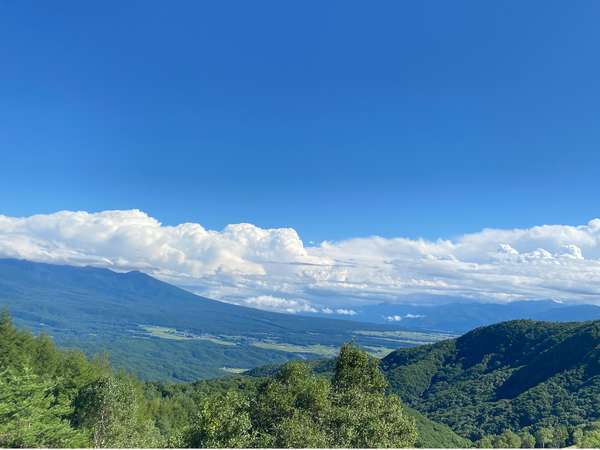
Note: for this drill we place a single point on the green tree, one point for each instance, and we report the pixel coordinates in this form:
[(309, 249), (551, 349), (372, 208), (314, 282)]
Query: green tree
[(223, 421), (10, 354), (560, 436), (362, 415), (591, 436), (110, 409), (486, 441), (31, 415), (508, 439), (577, 436), (527, 439), (297, 408), (355, 368), (544, 436), (44, 357), (292, 408)]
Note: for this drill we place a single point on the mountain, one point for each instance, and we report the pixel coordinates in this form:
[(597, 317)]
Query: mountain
[(512, 375), (454, 315), (159, 331)]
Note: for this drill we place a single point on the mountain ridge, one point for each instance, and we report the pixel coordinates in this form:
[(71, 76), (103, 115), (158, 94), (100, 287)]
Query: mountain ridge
[(160, 331), (459, 316), (511, 375)]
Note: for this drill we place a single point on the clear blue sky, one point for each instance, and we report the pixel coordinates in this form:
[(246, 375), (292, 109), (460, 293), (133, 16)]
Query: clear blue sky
[(340, 119)]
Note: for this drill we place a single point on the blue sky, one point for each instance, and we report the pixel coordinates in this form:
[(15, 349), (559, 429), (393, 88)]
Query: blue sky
[(339, 119)]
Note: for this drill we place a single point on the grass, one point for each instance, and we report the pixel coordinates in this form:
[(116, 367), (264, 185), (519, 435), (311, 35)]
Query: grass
[(316, 349), (165, 333), (173, 334), (408, 337), (378, 352)]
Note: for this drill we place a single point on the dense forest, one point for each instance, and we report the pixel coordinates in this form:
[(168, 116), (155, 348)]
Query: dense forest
[(508, 384), (55, 398), (59, 398)]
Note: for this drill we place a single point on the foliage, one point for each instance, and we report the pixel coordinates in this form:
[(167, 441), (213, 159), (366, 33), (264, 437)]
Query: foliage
[(57, 398), (297, 408), (588, 436), (520, 375), (110, 408), (31, 415), (480, 384)]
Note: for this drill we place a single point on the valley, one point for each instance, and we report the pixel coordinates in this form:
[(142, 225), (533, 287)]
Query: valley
[(162, 332)]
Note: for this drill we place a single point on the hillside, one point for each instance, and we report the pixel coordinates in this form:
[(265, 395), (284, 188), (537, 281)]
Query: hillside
[(59, 399), (507, 376), (432, 434), (161, 332)]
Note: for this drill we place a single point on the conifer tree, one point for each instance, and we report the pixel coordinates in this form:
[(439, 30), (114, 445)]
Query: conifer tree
[(30, 414), (10, 354)]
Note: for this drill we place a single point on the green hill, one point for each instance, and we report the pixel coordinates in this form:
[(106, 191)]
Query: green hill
[(511, 375), (432, 434)]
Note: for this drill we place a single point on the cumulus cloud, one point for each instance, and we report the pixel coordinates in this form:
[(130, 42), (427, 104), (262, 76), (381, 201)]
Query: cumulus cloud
[(398, 318), (345, 312), (414, 316), (271, 303), (273, 268)]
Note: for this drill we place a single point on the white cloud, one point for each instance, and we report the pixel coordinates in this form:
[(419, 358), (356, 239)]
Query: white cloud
[(271, 303), (398, 318), (244, 263), (393, 318), (345, 312)]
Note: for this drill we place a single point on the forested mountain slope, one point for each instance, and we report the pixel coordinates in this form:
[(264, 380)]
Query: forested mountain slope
[(513, 375), (159, 331), (54, 398)]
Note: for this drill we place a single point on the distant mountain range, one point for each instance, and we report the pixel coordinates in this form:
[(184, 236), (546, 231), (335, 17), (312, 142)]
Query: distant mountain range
[(455, 315), (162, 332)]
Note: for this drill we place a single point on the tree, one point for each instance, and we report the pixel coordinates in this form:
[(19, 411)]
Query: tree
[(508, 439), (10, 354), (222, 422), (527, 439), (292, 408), (362, 415), (355, 368), (110, 409), (486, 441), (560, 436), (30, 414), (591, 436), (578, 436), (297, 408), (43, 355), (544, 436)]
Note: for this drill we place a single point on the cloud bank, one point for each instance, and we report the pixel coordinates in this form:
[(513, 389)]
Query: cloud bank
[(273, 269)]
